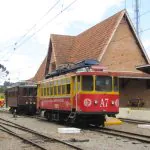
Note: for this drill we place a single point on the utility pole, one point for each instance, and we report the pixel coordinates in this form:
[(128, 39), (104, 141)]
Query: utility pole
[(137, 16)]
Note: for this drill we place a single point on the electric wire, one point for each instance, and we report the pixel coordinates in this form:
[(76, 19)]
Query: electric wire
[(38, 22), (16, 43), (29, 30), (47, 23), (63, 9)]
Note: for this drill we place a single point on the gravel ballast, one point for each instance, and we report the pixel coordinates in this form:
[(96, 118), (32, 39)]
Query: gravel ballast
[(93, 140)]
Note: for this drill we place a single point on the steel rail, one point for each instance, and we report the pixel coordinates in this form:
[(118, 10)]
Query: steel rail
[(39, 134), (22, 138), (135, 121), (130, 135)]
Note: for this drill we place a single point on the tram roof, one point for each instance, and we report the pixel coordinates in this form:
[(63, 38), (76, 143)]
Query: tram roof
[(22, 84), (119, 74)]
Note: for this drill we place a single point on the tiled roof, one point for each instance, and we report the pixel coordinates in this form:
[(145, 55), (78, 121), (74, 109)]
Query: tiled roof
[(62, 45), (90, 44)]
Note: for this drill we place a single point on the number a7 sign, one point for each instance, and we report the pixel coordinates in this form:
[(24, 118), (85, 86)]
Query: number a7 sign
[(104, 102)]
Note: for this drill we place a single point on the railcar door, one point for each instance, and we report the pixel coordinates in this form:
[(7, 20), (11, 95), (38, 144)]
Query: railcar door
[(74, 100)]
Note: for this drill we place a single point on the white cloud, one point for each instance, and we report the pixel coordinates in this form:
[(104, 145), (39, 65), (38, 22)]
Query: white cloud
[(146, 44), (21, 67)]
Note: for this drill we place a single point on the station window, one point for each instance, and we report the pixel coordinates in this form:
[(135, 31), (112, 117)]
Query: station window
[(87, 83), (103, 83)]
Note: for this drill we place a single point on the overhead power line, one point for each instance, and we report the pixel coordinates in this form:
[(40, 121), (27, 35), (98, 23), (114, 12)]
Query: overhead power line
[(47, 23), (14, 44), (144, 13), (38, 22)]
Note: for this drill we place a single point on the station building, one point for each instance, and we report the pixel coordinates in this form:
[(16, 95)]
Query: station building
[(115, 44)]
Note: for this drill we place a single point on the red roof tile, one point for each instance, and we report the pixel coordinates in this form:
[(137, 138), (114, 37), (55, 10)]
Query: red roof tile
[(90, 44), (61, 46)]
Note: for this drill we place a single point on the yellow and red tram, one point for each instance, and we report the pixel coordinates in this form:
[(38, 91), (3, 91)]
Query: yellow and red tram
[(79, 96)]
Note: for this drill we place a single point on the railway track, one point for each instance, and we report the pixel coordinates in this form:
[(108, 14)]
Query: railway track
[(32, 137), (134, 121), (129, 135)]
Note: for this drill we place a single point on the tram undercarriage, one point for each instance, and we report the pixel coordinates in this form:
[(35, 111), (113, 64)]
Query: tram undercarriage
[(73, 118)]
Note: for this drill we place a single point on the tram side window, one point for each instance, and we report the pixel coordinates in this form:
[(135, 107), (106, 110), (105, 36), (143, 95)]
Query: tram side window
[(51, 90), (78, 83), (41, 91), (103, 83), (34, 91), (44, 91), (116, 84), (63, 89), (87, 83), (48, 91), (59, 90), (25, 92), (68, 89), (55, 90), (30, 93)]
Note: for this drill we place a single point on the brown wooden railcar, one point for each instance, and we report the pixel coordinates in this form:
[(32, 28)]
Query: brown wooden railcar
[(22, 98)]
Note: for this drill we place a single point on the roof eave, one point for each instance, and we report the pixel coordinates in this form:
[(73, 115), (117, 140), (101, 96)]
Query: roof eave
[(144, 68), (115, 28)]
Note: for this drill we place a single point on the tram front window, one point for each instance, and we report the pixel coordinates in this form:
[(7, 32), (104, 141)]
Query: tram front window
[(103, 83), (116, 84), (87, 83)]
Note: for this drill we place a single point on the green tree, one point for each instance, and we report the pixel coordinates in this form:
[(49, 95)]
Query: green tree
[(4, 70)]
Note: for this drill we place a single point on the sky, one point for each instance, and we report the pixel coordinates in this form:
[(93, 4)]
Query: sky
[(26, 26)]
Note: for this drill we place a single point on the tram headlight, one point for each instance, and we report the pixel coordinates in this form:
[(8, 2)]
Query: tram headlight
[(113, 102), (95, 102), (26, 102)]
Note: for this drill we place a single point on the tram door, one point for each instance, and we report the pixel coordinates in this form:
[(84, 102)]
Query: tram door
[(74, 100)]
